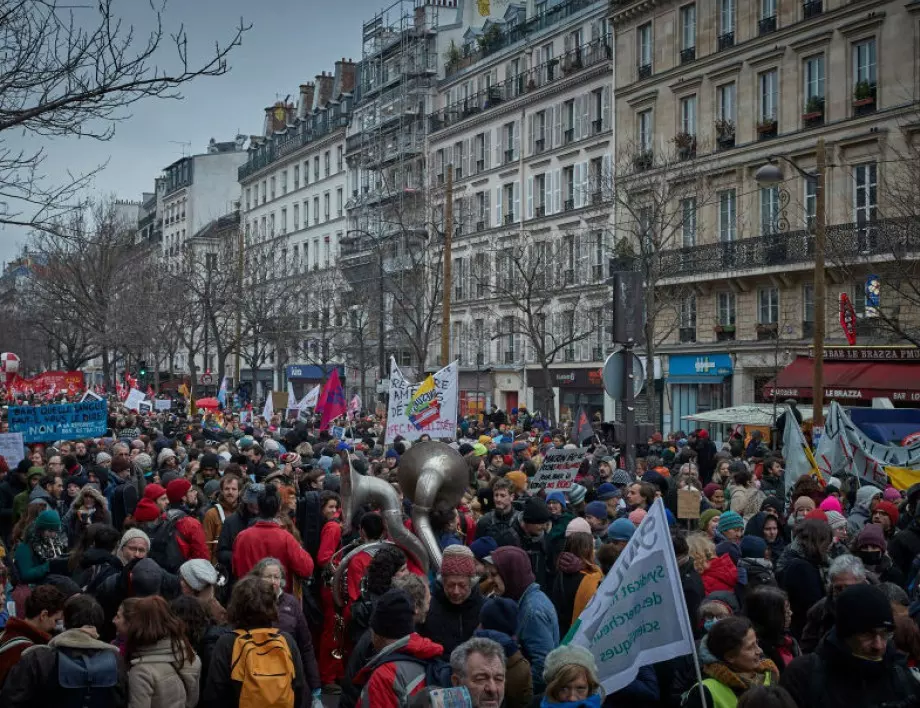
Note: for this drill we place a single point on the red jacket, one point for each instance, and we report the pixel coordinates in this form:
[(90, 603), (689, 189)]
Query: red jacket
[(382, 678), (267, 539), (190, 535), (17, 629), (720, 575)]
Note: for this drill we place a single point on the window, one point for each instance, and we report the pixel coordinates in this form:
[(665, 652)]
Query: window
[(327, 164), (339, 202), (296, 176), (510, 152), (306, 172), (808, 302), (568, 116), (248, 195), (271, 225), (539, 130), (316, 168), (769, 209), (326, 210), (727, 220), (644, 44), (811, 203), (644, 132), (768, 306), (339, 159), (768, 96), (688, 318), (767, 9), (725, 98), (865, 202), (688, 28), (814, 78), (726, 17), (264, 191), (272, 183), (688, 115), (725, 309), (508, 331), (597, 255), (296, 216), (459, 278), (568, 186), (284, 181), (283, 221), (688, 221), (315, 210), (306, 212), (864, 58)]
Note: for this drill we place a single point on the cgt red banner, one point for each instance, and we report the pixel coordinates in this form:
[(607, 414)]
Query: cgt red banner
[(52, 382)]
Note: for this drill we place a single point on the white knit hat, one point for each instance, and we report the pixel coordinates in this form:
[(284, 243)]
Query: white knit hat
[(130, 535), (568, 655)]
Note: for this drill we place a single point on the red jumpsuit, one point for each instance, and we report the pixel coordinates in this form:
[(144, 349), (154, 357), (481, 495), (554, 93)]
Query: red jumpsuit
[(330, 668)]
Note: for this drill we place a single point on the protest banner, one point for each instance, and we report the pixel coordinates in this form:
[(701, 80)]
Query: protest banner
[(133, 401), (638, 616), (11, 448), (48, 382), (557, 473), (799, 458), (427, 408), (688, 504), (162, 405), (310, 399), (91, 395), (145, 407), (66, 421), (845, 449)]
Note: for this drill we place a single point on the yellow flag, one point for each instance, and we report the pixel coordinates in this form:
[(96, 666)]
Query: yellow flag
[(484, 10)]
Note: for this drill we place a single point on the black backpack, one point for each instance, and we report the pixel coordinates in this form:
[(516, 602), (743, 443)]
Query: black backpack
[(310, 521), (86, 678), (164, 543)]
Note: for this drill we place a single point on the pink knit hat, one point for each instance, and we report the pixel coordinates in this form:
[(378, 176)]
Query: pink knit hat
[(637, 515), (577, 525), (891, 494), (458, 560), (831, 504)]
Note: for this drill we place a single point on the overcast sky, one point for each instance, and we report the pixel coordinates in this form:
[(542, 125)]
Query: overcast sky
[(290, 42)]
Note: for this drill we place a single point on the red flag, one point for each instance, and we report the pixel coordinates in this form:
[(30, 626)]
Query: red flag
[(332, 399), (150, 392)]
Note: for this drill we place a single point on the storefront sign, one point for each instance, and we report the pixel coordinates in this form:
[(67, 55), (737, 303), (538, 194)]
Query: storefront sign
[(715, 365), (852, 394), (870, 354), (566, 378), (311, 372)]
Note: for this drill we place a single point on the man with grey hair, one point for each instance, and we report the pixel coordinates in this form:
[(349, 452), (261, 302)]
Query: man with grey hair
[(479, 666), (418, 590), (844, 571)]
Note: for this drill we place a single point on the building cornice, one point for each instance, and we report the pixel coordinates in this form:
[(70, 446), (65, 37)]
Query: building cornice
[(295, 155)]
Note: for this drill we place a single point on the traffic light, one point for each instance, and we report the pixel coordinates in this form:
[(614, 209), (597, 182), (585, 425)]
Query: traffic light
[(142, 369)]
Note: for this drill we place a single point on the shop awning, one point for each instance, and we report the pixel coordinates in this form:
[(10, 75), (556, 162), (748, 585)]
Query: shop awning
[(757, 414), (849, 380)]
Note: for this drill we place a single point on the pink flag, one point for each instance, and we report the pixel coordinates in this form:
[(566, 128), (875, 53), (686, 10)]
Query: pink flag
[(354, 407), (332, 399)]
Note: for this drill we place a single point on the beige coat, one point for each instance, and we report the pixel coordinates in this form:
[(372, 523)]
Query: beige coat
[(155, 682)]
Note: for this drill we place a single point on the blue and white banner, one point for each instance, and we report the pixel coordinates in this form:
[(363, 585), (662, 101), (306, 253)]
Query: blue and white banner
[(65, 421)]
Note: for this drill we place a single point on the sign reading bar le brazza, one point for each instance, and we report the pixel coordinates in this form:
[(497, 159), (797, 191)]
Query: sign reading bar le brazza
[(870, 354)]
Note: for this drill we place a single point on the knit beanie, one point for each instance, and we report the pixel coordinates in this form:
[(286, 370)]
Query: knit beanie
[(535, 512), (556, 497), (577, 525), (146, 511), (458, 560), (831, 504), (153, 492), (165, 453), (817, 514), (394, 615), (836, 520), (482, 547), (889, 509), (607, 491), (167, 477), (569, 655), (499, 614), (35, 472), (706, 517), (871, 535), (577, 494), (620, 530), (621, 477), (710, 489), (177, 489), (597, 509), (518, 479), (48, 520), (130, 535), (198, 574), (730, 520), (891, 494), (102, 458), (637, 515), (862, 608), (753, 547)]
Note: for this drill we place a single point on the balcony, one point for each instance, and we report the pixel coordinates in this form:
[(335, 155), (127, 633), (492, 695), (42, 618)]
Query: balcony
[(813, 115), (726, 40), (725, 133), (597, 197), (643, 160), (568, 136), (568, 276), (725, 333), (539, 145), (508, 219), (508, 357), (539, 211), (568, 354), (509, 155), (812, 8), (767, 25), (864, 95), (480, 225), (687, 55), (480, 165), (644, 71), (767, 128), (597, 126), (687, 335), (766, 331), (595, 52), (793, 248), (686, 146), (568, 205)]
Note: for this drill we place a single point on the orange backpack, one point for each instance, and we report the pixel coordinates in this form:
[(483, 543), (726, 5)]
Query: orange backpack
[(262, 663)]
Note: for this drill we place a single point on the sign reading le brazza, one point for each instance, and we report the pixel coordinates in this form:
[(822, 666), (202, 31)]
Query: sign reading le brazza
[(870, 354)]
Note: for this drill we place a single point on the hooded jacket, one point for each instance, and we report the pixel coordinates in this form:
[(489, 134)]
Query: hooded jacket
[(755, 526), (18, 635), (832, 676), (905, 546), (746, 501), (804, 583), (34, 682), (448, 624), (861, 515), (518, 684), (155, 679), (573, 587), (389, 682), (720, 574), (537, 625), (72, 523)]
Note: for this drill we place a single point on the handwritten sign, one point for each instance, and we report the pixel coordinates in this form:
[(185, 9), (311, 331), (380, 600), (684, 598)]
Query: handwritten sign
[(66, 421), (162, 405), (428, 408), (688, 504), (11, 447), (557, 473)]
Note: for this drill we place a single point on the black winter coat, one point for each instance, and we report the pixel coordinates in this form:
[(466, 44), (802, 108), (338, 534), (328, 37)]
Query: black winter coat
[(448, 624), (233, 526), (362, 653), (498, 526), (904, 547), (95, 566), (694, 592), (833, 677), (538, 550), (803, 582), (9, 488)]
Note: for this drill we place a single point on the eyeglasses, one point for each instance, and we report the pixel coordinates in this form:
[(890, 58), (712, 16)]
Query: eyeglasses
[(886, 635)]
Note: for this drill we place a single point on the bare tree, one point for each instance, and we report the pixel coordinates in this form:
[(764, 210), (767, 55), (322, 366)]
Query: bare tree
[(322, 325), (65, 74)]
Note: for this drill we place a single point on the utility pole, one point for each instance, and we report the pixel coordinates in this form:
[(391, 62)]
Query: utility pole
[(820, 290), (447, 258), (239, 309)]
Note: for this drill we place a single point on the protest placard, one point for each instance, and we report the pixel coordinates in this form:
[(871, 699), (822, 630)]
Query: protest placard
[(638, 616), (11, 447), (557, 473), (133, 401), (688, 504), (427, 408), (65, 421), (162, 405)]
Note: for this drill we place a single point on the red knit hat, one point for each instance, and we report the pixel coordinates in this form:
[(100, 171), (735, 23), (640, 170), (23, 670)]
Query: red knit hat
[(177, 489), (153, 492), (886, 507), (458, 560), (146, 511), (817, 514)]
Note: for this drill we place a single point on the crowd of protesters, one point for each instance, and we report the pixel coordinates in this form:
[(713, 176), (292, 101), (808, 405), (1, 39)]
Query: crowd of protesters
[(187, 560)]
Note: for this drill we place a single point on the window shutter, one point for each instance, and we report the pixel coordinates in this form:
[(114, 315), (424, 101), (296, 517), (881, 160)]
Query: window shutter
[(547, 193), (605, 108), (579, 125), (487, 148), (516, 200), (586, 127), (557, 125), (578, 193), (530, 135), (529, 213), (500, 146), (557, 188), (517, 139), (486, 208), (498, 205), (606, 182)]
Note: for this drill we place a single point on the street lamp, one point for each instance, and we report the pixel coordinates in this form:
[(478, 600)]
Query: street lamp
[(769, 175)]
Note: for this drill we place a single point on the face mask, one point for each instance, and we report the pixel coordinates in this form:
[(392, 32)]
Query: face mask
[(870, 557), (710, 623)]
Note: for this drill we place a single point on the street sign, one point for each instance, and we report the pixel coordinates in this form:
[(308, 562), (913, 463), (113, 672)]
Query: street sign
[(612, 374)]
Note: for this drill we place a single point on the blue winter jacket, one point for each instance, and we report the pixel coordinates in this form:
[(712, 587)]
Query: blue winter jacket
[(537, 631)]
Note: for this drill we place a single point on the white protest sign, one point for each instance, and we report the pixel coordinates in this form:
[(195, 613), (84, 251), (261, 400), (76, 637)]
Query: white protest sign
[(162, 405), (90, 394), (427, 408), (11, 447), (310, 399), (557, 473), (133, 401), (638, 616)]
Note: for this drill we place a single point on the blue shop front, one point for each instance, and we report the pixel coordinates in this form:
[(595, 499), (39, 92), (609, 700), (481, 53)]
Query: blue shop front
[(698, 383)]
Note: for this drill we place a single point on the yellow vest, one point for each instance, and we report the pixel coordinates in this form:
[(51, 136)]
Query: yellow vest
[(723, 696)]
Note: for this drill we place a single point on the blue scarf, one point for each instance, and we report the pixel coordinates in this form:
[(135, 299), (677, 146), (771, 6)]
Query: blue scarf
[(589, 702)]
